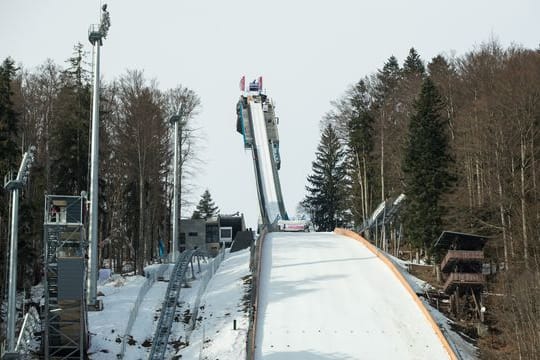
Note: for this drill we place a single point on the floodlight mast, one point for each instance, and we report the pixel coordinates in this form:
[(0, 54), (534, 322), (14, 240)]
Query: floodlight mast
[(176, 120), (96, 34), (14, 186)]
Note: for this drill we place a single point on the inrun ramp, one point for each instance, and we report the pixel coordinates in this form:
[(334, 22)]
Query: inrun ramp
[(326, 296)]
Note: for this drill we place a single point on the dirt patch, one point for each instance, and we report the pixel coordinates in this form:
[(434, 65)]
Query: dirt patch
[(147, 343), (131, 341)]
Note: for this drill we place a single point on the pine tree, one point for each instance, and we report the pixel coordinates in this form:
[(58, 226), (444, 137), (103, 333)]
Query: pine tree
[(70, 131), (413, 64), (206, 207), (361, 144), (426, 168), (8, 118), (387, 79), (328, 185), (9, 154)]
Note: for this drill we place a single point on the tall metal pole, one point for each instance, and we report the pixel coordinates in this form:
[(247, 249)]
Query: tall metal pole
[(94, 189), (14, 186), (12, 295), (174, 241), (96, 36)]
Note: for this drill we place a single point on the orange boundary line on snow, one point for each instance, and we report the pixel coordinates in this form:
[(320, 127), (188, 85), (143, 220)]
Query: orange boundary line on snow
[(405, 284)]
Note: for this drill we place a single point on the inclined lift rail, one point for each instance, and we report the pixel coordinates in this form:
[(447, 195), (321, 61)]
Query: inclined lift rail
[(178, 277)]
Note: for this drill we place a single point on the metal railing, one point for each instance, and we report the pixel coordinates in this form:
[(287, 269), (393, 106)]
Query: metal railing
[(464, 278), (163, 329), (151, 279), (462, 255), (203, 283)]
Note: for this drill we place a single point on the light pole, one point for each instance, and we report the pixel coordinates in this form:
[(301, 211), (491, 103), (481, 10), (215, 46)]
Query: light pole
[(96, 34), (14, 186), (175, 119)]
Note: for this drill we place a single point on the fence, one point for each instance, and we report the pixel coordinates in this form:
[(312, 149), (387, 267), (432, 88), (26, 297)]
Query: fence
[(204, 280), (151, 279), (255, 267)]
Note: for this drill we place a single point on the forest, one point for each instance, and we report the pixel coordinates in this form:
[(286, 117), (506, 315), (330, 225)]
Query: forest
[(50, 107), (459, 137), (482, 110)]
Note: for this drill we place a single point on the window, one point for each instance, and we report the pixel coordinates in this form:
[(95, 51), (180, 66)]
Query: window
[(182, 238), (226, 233), (212, 233), (193, 234)]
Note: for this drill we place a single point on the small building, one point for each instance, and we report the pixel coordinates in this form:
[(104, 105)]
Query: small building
[(210, 233), (461, 267)]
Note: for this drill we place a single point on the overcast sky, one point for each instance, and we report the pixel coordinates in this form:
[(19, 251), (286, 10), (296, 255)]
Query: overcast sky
[(308, 52)]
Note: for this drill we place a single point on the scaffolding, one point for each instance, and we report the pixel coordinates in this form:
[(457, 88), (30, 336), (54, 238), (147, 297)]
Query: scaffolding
[(64, 316)]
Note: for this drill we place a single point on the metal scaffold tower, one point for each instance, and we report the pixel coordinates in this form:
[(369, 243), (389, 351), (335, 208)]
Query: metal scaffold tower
[(64, 316)]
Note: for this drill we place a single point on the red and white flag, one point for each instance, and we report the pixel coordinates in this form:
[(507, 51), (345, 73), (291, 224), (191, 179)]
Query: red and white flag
[(243, 83)]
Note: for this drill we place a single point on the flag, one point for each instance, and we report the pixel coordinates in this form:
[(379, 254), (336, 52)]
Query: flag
[(243, 83), (260, 83)]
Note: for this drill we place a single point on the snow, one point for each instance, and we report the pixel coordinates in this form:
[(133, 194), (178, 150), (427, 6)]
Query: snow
[(326, 296), (322, 296), (220, 304), (463, 348), (107, 327)]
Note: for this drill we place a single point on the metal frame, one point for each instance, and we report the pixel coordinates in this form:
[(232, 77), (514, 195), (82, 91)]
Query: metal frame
[(168, 310), (67, 237)]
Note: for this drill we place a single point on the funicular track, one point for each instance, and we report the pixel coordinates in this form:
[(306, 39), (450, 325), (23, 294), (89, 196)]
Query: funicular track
[(178, 277)]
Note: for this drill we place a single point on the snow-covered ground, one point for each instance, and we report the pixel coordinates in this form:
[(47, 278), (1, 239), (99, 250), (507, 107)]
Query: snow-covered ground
[(224, 301), (326, 296), (213, 334), (323, 296)]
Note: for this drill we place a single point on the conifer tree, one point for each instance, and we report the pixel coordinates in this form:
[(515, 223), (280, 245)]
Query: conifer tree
[(9, 153), (206, 207), (361, 144), (387, 80), (70, 131), (8, 118), (426, 168), (328, 185), (413, 64)]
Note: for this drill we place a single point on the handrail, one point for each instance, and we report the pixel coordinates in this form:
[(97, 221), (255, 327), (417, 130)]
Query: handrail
[(203, 284), (466, 278), (135, 309), (462, 255)]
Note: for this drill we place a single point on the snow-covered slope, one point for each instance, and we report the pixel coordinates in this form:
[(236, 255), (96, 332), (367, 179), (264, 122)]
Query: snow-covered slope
[(326, 296)]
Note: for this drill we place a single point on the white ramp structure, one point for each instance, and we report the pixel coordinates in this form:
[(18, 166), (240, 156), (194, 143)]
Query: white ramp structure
[(327, 296), (257, 122)]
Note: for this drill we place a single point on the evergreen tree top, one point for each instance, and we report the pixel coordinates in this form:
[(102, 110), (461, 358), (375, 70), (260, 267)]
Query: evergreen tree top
[(413, 64), (206, 207)]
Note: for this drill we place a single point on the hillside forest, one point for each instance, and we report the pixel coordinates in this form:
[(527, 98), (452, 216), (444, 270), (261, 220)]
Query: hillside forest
[(458, 135)]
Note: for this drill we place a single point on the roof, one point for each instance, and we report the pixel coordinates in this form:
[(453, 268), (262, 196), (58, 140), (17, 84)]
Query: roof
[(460, 241)]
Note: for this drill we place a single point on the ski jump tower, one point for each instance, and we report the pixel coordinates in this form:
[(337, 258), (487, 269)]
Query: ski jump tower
[(257, 122), (64, 316)]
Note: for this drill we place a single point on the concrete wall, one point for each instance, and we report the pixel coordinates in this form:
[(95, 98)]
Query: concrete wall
[(195, 233)]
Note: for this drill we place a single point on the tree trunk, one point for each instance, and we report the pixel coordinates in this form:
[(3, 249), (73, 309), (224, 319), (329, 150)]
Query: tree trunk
[(501, 209), (141, 245), (523, 205)]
